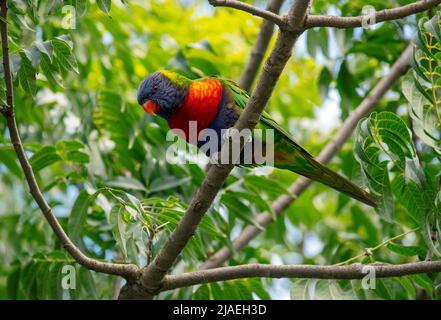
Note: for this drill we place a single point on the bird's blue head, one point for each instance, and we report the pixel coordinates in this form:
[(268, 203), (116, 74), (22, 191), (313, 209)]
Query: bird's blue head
[(162, 93)]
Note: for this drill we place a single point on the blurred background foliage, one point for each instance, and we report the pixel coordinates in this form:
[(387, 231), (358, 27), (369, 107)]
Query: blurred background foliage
[(101, 161)]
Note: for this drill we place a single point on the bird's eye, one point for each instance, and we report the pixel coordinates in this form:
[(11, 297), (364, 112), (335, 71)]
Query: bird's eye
[(155, 87)]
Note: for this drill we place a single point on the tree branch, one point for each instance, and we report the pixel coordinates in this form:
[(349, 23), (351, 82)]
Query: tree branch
[(353, 271), (260, 47), (380, 16), (266, 14), (153, 275), (279, 205), (129, 272), (332, 21)]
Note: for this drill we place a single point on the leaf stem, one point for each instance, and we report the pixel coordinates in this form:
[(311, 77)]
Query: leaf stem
[(369, 251)]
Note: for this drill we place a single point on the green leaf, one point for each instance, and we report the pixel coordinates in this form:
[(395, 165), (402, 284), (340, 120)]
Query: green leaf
[(80, 7), (232, 289), (42, 280), (55, 290), (217, 292), (15, 61), (265, 184), (45, 48), (346, 86), (66, 39), (28, 278), (26, 76), (78, 215), (427, 228), (33, 55), (255, 199), (255, 285), (424, 282), (104, 5), (13, 283), (241, 286), (202, 45), (69, 145), (324, 81), (382, 289), (119, 228), (407, 251), (64, 55), (51, 71), (386, 135), (112, 118), (421, 112), (362, 220), (46, 156), (87, 282), (313, 289), (424, 92), (136, 203), (126, 183), (238, 209), (167, 183), (312, 41), (408, 286), (433, 26), (9, 159), (147, 169), (77, 157), (202, 293)]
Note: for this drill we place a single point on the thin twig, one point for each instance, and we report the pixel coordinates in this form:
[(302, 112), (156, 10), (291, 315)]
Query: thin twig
[(266, 14), (369, 251)]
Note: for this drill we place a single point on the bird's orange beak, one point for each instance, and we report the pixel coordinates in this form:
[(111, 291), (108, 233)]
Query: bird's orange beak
[(151, 107)]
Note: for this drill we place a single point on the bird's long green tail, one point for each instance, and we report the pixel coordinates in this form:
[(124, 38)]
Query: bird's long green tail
[(290, 155), (318, 172)]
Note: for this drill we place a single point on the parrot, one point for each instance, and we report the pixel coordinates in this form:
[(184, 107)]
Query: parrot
[(216, 103)]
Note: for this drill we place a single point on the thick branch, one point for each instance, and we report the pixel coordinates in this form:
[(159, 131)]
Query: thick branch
[(260, 47), (330, 150), (127, 271), (154, 274), (353, 271), (266, 14), (380, 16)]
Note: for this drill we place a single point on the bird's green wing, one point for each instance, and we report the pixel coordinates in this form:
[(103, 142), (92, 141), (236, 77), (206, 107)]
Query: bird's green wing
[(241, 98), (290, 155)]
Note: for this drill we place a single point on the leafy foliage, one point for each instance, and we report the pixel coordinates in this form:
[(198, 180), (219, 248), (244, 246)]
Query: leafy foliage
[(386, 151), (423, 88), (101, 162), (389, 160)]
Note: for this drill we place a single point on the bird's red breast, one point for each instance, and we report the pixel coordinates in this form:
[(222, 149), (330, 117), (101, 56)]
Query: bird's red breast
[(201, 105)]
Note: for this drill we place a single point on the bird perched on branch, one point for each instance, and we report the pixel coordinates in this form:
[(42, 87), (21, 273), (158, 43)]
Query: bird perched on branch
[(215, 103)]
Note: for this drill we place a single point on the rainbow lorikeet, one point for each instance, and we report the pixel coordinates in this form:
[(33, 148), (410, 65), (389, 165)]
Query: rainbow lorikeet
[(217, 103)]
